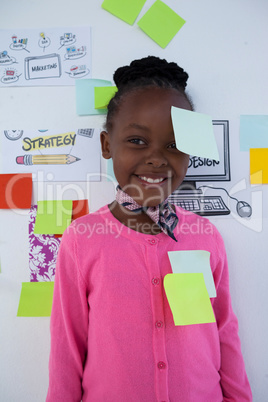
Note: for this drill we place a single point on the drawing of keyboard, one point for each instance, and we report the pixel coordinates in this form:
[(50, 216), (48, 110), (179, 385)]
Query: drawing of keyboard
[(201, 205)]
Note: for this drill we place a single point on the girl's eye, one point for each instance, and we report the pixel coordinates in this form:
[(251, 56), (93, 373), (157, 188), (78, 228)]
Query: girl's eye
[(172, 146), (137, 141)]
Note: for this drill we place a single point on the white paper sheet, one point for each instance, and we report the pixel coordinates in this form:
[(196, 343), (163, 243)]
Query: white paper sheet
[(53, 56), (52, 155)]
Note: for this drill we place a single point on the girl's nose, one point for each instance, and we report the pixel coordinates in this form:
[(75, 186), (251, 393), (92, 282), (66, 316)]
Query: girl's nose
[(156, 159)]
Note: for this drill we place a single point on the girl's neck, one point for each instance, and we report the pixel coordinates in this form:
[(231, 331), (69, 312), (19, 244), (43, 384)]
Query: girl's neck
[(140, 222)]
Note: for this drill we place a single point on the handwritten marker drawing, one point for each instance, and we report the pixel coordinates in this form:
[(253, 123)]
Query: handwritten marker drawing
[(43, 67), (78, 71), (10, 76), (18, 44), (5, 59), (44, 41), (67, 39), (46, 159), (48, 51), (13, 135), (53, 155)]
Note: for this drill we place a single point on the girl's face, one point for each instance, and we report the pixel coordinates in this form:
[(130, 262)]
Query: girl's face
[(147, 164)]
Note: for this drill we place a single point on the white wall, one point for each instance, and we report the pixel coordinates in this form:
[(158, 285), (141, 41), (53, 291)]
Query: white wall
[(223, 46)]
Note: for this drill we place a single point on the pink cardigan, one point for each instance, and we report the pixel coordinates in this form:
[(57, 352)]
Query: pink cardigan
[(112, 333)]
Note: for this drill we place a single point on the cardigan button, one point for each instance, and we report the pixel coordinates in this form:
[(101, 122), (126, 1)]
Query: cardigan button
[(155, 281), (161, 365), (159, 324), (153, 242)]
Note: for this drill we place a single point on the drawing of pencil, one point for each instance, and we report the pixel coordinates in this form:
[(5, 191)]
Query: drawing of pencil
[(46, 159)]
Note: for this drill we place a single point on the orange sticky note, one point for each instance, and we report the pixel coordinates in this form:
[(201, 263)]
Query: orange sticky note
[(80, 208), (258, 165), (15, 191)]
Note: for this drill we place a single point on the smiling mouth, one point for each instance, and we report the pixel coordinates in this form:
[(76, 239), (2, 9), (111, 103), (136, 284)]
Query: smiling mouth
[(152, 181)]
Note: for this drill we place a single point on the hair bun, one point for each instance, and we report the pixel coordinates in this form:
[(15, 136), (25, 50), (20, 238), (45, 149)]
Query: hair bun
[(153, 68)]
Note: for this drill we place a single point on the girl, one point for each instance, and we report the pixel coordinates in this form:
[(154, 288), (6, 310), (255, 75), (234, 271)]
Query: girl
[(113, 336)]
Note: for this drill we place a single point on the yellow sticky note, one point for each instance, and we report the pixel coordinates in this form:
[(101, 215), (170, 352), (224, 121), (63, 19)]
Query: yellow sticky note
[(53, 217), (36, 299), (103, 95), (161, 23), (258, 165), (126, 10), (188, 299)]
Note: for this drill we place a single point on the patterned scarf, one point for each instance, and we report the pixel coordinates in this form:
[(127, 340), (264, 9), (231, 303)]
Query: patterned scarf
[(162, 214)]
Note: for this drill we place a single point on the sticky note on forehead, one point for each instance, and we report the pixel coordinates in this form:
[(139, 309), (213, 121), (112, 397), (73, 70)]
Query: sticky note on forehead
[(194, 133)]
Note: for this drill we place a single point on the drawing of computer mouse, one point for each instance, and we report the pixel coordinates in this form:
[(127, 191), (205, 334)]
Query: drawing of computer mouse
[(243, 209)]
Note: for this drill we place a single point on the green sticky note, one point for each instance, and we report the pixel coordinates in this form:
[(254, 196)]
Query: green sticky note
[(194, 133), (53, 217), (126, 10), (85, 101), (35, 299), (193, 261), (188, 299), (161, 23), (103, 95)]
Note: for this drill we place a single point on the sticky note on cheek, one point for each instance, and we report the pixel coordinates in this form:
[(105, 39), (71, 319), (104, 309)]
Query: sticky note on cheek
[(188, 299)]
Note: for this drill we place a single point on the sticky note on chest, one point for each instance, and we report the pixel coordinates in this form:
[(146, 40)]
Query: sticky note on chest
[(188, 299), (194, 261)]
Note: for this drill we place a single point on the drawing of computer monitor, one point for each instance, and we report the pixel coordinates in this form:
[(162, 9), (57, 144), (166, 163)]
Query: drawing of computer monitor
[(188, 196)]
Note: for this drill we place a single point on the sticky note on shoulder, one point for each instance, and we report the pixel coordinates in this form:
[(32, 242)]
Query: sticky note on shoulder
[(188, 299), (161, 23), (126, 10), (193, 261), (194, 133)]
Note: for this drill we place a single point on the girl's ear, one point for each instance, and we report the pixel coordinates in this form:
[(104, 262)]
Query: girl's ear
[(105, 144)]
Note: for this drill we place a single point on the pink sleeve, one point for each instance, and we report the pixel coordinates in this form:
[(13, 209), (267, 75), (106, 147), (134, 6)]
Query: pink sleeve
[(68, 327), (234, 381)]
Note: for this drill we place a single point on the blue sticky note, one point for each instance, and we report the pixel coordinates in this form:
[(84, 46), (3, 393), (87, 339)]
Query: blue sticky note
[(193, 261), (253, 132), (85, 101), (194, 133)]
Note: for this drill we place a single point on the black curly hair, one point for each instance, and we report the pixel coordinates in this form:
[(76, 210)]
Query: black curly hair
[(149, 71)]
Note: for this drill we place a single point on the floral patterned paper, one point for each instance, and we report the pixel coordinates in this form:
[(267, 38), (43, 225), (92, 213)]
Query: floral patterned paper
[(42, 254)]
